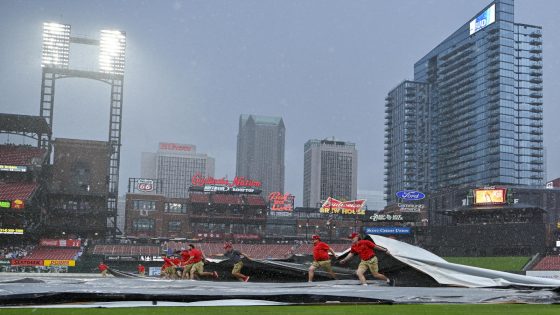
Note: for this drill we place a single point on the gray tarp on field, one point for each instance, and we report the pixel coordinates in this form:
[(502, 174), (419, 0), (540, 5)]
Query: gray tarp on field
[(450, 274)]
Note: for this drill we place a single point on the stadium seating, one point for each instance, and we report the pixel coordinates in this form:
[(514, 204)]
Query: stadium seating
[(226, 199), (19, 190), (42, 252), (199, 198), (127, 250), (255, 200), (20, 155), (548, 263), (256, 251)]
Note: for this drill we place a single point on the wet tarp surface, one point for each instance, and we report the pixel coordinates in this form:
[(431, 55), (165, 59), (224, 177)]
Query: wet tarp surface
[(52, 290), (421, 277), (450, 274)]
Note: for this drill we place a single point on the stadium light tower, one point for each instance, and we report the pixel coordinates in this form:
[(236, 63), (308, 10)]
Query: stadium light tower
[(55, 65), (111, 52), (56, 45)]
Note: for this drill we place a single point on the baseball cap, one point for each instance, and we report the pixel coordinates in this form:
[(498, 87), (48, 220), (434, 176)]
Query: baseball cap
[(351, 236), (315, 237)]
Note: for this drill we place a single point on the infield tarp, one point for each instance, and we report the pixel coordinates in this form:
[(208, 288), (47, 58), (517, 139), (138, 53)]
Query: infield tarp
[(449, 274)]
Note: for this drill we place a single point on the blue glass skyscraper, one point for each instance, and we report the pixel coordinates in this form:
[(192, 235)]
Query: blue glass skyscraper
[(473, 113)]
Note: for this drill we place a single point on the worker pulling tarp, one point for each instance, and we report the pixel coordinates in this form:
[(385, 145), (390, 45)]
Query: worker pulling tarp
[(449, 274)]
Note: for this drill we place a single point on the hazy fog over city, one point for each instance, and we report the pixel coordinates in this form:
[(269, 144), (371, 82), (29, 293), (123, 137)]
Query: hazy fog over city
[(192, 67)]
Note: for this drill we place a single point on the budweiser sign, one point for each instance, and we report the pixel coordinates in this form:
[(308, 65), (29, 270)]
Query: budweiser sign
[(334, 206), (238, 181)]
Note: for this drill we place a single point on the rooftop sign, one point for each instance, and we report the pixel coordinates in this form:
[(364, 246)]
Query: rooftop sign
[(238, 181), (484, 19), (176, 147)]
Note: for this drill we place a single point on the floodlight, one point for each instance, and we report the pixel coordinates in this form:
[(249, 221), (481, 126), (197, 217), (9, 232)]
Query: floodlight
[(56, 45), (111, 51)]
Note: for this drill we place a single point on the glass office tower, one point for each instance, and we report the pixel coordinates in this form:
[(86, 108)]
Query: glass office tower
[(483, 112), (260, 151)]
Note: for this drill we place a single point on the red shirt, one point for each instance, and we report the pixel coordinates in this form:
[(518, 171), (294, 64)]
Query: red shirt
[(185, 255), (141, 269), (196, 255), (176, 261), (102, 267), (167, 263), (364, 249), (321, 251)]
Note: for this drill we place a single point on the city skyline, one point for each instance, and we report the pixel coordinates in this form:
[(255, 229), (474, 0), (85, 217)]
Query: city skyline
[(473, 114), (185, 80)]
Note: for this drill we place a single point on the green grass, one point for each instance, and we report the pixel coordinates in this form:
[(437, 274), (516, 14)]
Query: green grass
[(431, 309), (513, 263)]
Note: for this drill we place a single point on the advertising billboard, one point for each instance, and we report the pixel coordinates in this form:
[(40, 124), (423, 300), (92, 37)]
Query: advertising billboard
[(410, 195), (13, 168), (387, 230), (281, 202), (144, 186), (334, 206), (484, 19), (490, 196), (238, 181), (11, 231)]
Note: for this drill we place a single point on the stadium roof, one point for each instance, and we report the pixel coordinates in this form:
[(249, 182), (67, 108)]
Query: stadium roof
[(12, 123)]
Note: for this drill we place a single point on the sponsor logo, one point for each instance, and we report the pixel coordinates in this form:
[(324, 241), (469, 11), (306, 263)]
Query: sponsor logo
[(386, 217), (13, 168), (238, 181), (484, 19), (175, 147), (240, 190), (27, 262), (18, 204), (69, 263), (406, 207), (410, 195), (334, 206), (281, 202), (145, 185), (391, 230), (11, 231)]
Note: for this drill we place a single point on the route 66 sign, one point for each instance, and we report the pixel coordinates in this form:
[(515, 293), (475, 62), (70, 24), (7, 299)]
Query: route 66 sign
[(145, 185)]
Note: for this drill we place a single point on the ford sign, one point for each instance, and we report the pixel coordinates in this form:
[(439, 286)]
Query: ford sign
[(410, 195)]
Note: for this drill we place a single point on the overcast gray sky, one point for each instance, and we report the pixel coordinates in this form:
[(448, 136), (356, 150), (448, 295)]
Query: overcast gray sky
[(194, 66)]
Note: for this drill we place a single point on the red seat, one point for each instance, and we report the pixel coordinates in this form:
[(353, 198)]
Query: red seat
[(548, 263)]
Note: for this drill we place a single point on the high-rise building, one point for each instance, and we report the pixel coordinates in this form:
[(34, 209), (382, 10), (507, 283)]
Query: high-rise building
[(260, 151), (175, 165), (473, 113), (330, 170), (375, 199)]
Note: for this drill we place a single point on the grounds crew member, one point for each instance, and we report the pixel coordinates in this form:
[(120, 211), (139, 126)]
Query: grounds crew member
[(365, 249), (321, 258)]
